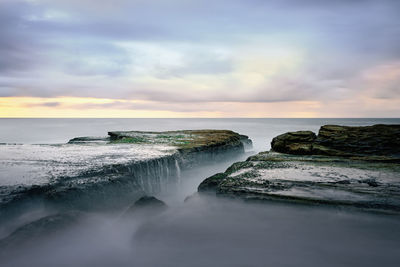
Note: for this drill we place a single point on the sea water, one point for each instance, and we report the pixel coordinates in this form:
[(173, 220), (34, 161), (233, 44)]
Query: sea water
[(199, 232)]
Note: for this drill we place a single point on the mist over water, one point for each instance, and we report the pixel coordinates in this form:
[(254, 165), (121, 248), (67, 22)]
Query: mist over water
[(219, 232), (203, 230)]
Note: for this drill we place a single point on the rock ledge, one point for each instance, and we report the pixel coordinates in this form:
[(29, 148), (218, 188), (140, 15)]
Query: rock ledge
[(380, 141)]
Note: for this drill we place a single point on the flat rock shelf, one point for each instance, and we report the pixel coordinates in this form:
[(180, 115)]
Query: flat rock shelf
[(105, 172), (355, 167)]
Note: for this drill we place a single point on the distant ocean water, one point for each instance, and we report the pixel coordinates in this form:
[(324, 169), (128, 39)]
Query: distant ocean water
[(261, 131)]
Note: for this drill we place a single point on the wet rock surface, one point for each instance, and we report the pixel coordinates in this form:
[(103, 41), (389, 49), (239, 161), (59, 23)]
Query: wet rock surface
[(377, 142), (194, 147), (342, 166), (310, 180), (184, 139), (92, 173)]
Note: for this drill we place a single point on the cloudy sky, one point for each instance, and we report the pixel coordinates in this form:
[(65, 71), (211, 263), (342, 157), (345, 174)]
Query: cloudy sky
[(200, 58)]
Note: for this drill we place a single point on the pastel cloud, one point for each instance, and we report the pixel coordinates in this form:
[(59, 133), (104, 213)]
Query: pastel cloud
[(202, 58)]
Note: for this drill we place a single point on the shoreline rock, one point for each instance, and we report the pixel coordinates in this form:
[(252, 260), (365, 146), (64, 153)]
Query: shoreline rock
[(338, 167), (380, 141), (112, 185)]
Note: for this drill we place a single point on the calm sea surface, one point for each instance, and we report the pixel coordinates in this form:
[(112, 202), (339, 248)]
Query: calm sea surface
[(261, 131)]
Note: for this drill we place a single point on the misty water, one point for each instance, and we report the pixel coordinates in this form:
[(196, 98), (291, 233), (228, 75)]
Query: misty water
[(201, 231)]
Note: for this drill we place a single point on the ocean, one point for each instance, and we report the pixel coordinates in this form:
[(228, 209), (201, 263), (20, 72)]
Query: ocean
[(261, 131), (206, 231)]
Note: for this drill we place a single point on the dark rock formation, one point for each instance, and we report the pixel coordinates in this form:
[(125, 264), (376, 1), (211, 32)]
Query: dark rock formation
[(308, 179), (147, 201), (294, 142), (211, 183), (380, 141), (342, 166), (93, 188), (146, 205), (88, 139), (35, 231), (195, 147)]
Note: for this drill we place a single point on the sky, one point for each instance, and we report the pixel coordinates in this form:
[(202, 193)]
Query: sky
[(200, 58)]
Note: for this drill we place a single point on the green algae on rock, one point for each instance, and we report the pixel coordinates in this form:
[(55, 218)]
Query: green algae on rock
[(310, 179), (342, 166), (89, 171), (184, 139), (194, 147)]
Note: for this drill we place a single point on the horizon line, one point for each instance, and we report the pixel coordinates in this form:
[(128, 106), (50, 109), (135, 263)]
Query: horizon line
[(199, 117)]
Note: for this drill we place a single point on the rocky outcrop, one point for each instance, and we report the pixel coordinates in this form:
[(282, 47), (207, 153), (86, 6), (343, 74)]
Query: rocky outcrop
[(299, 143), (342, 166), (211, 184), (307, 179), (108, 181), (146, 206), (88, 139), (194, 147), (382, 142)]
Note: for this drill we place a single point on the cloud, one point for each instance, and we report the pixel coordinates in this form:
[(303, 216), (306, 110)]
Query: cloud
[(200, 51), (18, 48), (44, 104), (382, 81)]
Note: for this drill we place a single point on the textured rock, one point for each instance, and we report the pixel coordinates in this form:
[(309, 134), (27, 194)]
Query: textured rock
[(371, 140), (111, 172), (380, 141), (342, 166), (184, 139), (194, 146), (294, 142), (308, 179), (211, 183)]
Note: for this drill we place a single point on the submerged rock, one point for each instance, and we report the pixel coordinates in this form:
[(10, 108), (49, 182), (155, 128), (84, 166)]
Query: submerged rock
[(380, 141), (37, 230), (147, 205)]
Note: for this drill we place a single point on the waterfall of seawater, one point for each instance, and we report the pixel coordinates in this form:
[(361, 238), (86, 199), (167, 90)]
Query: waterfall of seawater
[(155, 175), (113, 186), (178, 170)]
